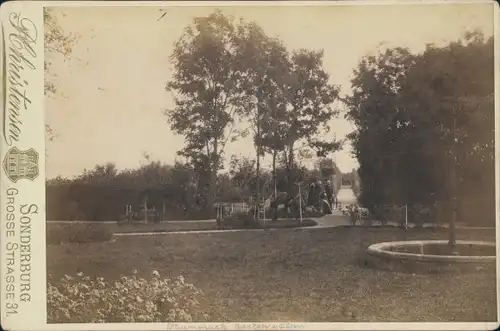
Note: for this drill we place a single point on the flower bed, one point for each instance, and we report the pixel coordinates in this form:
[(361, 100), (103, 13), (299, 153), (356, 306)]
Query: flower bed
[(82, 299)]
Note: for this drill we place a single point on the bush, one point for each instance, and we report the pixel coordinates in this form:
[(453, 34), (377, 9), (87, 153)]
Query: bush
[(312, 213), (130, 299), (77, 233), (357, 214)]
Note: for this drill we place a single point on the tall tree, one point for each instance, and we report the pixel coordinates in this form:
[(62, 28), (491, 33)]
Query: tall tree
[(457, 94), (421, 125), (243, 176), (56, 43), (378, 119), (101, 174), (274, 131), (207, 93), (265, 65), (311, 97)]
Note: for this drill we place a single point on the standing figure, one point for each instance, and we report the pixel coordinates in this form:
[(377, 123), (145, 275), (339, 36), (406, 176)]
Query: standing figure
[(329, 193), (318, 196), (311, 197), (325, 206), (294, 204)]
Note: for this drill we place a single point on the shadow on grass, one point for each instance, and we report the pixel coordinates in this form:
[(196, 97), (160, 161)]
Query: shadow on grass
[(269, 224), (422, 268), (288, 224), (87, 233), (57, 234)]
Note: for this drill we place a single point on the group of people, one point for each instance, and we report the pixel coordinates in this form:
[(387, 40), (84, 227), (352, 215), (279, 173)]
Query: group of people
[(321, 196)]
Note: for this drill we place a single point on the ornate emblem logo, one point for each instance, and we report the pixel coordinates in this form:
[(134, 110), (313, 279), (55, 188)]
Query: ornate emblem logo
[(21, 164)]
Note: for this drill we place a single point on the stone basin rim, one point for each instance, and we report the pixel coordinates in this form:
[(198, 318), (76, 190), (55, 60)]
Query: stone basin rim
[(381, 250)]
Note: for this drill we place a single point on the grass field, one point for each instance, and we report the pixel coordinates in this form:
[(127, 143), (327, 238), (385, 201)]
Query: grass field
[(289, 275), (166, 226)]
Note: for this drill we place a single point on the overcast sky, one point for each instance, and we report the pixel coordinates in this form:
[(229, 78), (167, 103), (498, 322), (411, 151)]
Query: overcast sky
[(112, 91)]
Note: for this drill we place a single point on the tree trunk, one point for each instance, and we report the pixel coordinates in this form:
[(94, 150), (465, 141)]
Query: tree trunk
[(212, 193), (394, 194), (274, 194), (453, 187), (257, 193), (163, 211), (290, 173)]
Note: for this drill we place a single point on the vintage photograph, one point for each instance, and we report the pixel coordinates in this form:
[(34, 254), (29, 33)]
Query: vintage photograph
[(277, 163)]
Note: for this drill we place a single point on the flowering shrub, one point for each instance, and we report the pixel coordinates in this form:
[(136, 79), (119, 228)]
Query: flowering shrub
[(356, 213), (82, 299)]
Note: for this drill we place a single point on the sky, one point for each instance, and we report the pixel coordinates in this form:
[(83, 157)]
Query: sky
[(111, 90)]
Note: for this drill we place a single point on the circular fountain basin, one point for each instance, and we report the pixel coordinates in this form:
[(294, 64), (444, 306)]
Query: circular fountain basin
[(434, 255)]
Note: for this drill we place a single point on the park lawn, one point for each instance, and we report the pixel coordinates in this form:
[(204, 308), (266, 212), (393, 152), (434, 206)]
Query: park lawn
[(137, 227), (169, 226), (288, 223), (289, 275), (165, 227), (203, 226)]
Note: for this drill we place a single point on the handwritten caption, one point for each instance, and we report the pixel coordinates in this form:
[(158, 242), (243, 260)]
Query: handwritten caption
[(21, 55), (236, 326)]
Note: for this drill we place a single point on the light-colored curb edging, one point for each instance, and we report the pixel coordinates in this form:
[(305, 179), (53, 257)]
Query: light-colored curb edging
[(304, 228), (123, 234), (383, 250), (317, 219)]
